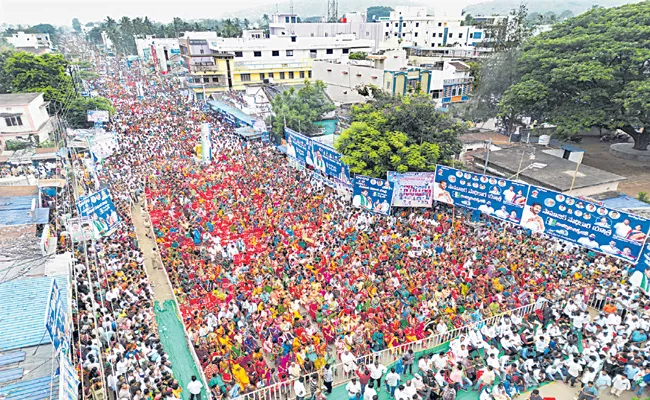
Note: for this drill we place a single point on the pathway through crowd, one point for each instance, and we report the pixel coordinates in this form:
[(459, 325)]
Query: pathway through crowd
[(170, 327)]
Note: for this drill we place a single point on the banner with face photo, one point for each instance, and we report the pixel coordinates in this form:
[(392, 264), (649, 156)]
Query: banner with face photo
[(99, 207), (615, 233), (298, 146), (372, 194), (496, 197), (327, 161)]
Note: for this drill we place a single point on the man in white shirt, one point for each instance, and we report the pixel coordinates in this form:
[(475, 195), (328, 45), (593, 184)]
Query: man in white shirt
[(622, 228), (392, 379), (376, 372), (194, 387), (353, 387), (619, 385), (574, 368), (370, 392), (299, 388)]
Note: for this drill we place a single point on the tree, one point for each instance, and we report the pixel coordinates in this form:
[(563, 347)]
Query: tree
[(301, 108), (372, 152), (510, 32), (594, 70), (416, 116), (375, 12), (76, 25), (358, 55), (77, 112), (469, 20), (26, 72)]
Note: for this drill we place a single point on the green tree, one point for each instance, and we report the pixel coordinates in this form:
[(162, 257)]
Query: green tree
[(372, 152), (76, 25), (77, 111), (416, 116), (358, 55), (375, 12), (594, 70), (510, 32), (300, 108), (26, 72)]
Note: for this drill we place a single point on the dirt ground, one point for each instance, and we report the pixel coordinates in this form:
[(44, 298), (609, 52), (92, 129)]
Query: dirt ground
[(637, 173)]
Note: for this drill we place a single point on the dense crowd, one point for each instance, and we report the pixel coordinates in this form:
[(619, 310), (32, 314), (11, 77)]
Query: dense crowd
[(279, 278)]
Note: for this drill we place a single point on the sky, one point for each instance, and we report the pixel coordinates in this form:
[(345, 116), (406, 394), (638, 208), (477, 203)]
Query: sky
[(61, 12)]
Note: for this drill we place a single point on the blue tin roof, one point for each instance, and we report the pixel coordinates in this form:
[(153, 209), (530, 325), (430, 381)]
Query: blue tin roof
[(14, 210), (22, 311), (624, 201), (235, 112), (33, 389)]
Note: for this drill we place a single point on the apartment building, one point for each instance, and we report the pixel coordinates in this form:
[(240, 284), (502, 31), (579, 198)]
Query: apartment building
[(218, 64), (24, 116), (37, 43), (414, 27), (163, 53)]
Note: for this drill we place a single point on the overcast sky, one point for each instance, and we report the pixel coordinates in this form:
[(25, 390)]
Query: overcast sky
[(61, 12)]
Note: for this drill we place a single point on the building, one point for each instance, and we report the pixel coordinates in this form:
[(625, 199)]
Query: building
[(164, 54), (351, 24), (38, 43), (218, 64), (24, 116), (414, 27), (543, 167), (445, 81)]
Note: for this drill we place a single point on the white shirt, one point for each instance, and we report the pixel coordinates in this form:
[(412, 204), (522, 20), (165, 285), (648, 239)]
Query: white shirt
[(369, 394), (392, 378), (299, 389), (353, 388), (195, 387), (376, 372)]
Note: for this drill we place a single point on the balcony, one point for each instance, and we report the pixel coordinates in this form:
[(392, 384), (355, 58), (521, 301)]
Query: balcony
[(204, 67)]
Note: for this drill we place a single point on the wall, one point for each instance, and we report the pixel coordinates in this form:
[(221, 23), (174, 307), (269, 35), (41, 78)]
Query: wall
[(344, 77)]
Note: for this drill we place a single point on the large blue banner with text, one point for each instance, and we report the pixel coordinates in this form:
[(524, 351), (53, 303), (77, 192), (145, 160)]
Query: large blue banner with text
[(327, 161), (496, 197), (372, 194), (615, 233), (298, 146), (99, 207)]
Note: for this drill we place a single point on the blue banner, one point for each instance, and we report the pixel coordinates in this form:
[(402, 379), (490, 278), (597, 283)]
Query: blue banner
[(591, 225), (99, 207), (298, 146), (327, 161), (372, 194), (496, 197), (640, 274), (55, 319)]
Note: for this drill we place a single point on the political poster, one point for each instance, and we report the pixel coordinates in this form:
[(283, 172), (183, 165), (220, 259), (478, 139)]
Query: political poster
[(206, 145), (640, 275), (317, 177), (372, 194), (99, 207), (55, 318), (68, 380), (298, 146), (97, 116), (615, 233), (327, 161), (412, 189), (497, 197), (81, 229)]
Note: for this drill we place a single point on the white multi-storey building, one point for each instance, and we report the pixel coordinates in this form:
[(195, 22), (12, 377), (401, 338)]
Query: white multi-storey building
[(39, 43), (413, 27), (352, 23), (23, 116), (164, 53)]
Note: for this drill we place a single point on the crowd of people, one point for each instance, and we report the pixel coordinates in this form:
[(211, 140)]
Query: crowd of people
[(280, 279)]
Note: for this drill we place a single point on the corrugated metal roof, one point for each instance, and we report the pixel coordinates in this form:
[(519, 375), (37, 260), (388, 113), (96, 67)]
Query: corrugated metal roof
[(22, 311), (34, 389), (624, 201)]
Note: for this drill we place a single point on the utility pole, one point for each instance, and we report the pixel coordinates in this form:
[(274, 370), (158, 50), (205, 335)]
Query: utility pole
[(487, 156)]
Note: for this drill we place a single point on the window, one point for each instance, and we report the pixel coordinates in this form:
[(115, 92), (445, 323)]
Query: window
[(436, 94), (439, 23), (206, 80), (471, 35), (417, 24), (239, 54), (396, 24), (440, 34), (415, 44), (270, 74), (460, 35), (387, 24), (275, 53), (451, 35), (312, 53), (289, 53), (293, 39), (286, 19), (202, 51), (346, 51), (416, 34), (309, 74), (257, 53), (395, 34), (302, 74), (215, 79), (262, 76), (245, 77), (281, 75), (14, 121), (290, 74), (330, 51)]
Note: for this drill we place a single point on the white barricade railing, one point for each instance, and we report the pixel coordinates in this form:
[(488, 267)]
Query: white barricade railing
[(284, 390)]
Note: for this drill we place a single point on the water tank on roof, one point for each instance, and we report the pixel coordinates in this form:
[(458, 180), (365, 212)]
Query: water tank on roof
[(544, 140)]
